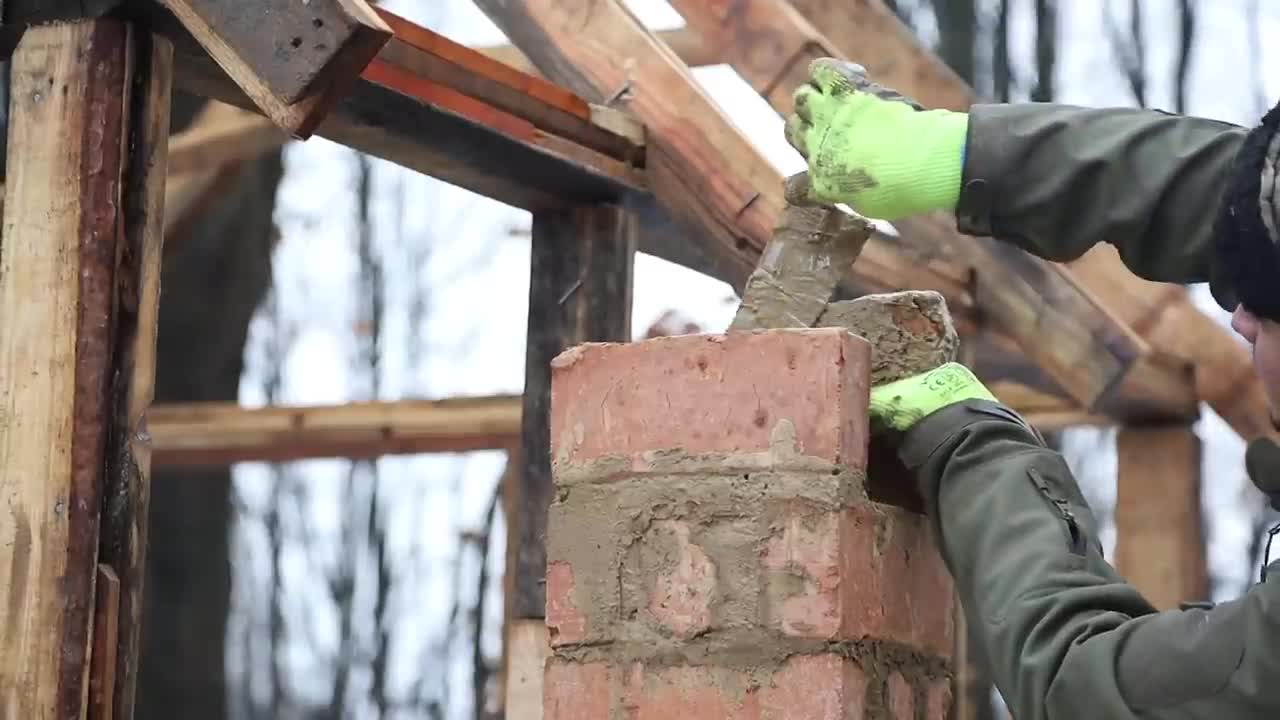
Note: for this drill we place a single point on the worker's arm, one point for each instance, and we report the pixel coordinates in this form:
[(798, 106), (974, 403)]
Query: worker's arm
[(1066, 636), (1056, 180), (1053, 179)]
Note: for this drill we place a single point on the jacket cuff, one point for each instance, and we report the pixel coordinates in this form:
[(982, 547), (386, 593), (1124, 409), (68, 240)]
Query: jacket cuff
[(925, 437), (983, 156)]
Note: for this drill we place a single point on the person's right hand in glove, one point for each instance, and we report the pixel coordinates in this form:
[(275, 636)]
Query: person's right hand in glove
[(873, 149)]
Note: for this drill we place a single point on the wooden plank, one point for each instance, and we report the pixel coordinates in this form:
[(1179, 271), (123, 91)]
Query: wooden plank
[(1163, 315), (57, 288), (1091, 354), (442, 130), (580, 280), (222, 434), (291, 58), (1160, 545), (125, 515), (106, 624), (530, 648), (688, 45)]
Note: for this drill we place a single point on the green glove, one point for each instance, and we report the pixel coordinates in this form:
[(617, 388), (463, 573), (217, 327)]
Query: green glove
[(873, 149), (900, 404)]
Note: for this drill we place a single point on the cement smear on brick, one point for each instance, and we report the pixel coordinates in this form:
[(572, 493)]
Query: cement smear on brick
[(909, 332)]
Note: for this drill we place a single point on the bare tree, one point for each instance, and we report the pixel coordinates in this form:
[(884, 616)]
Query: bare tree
[(1046, 50), (1130, 49), (1186, 42)]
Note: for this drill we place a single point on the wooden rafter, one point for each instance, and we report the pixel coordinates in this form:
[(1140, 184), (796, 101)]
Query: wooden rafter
[(448, 111), (706, 173)]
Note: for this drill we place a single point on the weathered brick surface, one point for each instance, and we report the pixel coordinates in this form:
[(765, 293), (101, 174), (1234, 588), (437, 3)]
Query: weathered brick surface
[(806, 687), (938, 699), (712, 548), (901, 700), (713, 394)]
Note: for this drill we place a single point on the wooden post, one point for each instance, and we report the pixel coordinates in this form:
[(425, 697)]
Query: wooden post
[(579, 291), (77, 305), (1159, 532)]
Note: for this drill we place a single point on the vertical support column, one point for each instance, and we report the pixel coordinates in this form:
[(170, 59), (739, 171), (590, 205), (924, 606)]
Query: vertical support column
[(58, 283), (126, 512), (1159, 528), (579, 291), (712, 549), (79, 271)]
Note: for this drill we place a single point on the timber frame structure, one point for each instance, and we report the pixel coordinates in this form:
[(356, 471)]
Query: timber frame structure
[(592, 123)]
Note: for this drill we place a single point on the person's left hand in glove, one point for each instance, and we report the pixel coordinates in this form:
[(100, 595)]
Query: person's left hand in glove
[(901, 404)]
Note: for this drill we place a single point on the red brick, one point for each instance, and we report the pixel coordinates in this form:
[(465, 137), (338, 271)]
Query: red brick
[(565, 622), (689, 692), (681, 599), (575, 691), (713, 393), (806, 687), (938, 699), (870, 571), (815, 687), (901, 700)]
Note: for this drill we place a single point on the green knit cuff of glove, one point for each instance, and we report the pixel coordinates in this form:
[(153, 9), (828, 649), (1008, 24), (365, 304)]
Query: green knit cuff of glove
[(903, 403), (888, 161)]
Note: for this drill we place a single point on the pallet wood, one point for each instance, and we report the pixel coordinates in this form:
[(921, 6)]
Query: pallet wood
[(295, 67), (455, 127), (530, 648), (222, 434), (58, 284), (579, 291), (1160, 543), (1091, 354), (1163, 315), (126, 512)]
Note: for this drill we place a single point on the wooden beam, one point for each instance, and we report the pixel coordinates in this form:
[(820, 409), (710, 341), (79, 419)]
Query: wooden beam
[(225, 433), (691, 47), (58, 284), (1163, 315), (1090, 354), (126, 512), (292, 59), (450, 112), (222, 434), (1160, 545), (580, 279)]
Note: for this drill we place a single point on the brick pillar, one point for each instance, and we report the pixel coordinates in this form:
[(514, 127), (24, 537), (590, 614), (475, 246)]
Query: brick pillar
[(712, 551)]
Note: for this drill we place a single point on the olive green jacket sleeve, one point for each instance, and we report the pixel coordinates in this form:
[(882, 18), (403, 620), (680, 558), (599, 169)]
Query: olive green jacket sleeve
[(1067, 637), (1055, 180)]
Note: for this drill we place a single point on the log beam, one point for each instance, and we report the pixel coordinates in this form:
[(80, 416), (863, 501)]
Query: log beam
[(1091, 354), (87, 99), (1160, 544)]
